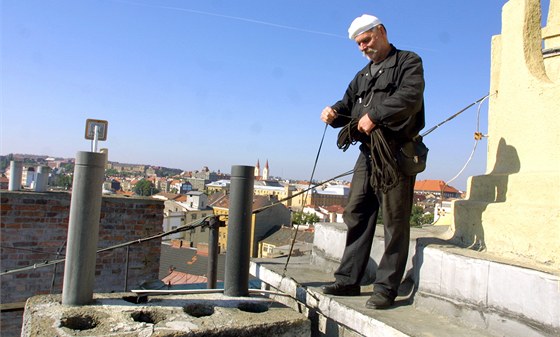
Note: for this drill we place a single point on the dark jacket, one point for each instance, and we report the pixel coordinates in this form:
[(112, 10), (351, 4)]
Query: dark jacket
[(397, 104)]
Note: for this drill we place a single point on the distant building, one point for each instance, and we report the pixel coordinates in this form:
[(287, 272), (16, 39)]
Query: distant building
[(275, 189), (4, 182), (279, 243), (198, 184), (205, 174), (218, 186), (436, 187), (28, 176), (335, 213), (442, 213), (186, 188), (163, 184), (322, 214), (329, 195), (263, 223), (182, 210), (132, 168), (175, 259)]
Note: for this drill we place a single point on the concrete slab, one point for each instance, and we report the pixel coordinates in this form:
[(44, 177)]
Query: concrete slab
[(118, 314)]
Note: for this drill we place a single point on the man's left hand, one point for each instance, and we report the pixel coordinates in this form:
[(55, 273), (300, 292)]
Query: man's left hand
[(365, 125)]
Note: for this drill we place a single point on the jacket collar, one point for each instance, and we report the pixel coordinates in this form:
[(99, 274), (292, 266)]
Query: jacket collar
[(389, 62)]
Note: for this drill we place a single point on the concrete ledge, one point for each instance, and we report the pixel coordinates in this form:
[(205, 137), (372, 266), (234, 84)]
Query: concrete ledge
[(470, 287), (488, 293), (330, 239), (461, 275), (173, 315), (348, 316)]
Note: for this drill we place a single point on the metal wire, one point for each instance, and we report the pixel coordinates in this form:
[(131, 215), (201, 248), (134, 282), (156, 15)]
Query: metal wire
[(201, 222)]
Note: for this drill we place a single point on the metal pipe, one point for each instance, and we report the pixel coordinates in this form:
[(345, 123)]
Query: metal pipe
[(126, 270), (201, 291), (236, 282), (16, 168), (213, 252), (42, 178), (83, 228)]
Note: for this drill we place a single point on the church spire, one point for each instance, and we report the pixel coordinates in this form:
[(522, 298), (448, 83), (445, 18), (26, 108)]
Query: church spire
[(257, 169), (266, 173)]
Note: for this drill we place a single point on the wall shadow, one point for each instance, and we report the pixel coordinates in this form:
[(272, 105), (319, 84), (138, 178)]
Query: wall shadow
[(485, 190), (469, 230)]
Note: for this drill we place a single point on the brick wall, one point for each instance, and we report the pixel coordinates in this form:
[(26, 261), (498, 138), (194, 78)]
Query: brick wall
[(34, 228)]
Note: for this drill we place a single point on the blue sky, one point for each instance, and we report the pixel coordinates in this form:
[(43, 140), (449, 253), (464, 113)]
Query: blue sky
[(187, 84)]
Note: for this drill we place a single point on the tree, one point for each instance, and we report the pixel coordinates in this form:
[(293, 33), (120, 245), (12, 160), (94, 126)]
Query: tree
[(167, 172), (5, 161), (62, 180), (145, 188), (112, 172), (305, 218), (418, 218), (67, 167)]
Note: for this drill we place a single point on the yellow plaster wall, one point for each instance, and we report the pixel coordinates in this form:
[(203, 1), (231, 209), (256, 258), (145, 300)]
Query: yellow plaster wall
[(514, 209)]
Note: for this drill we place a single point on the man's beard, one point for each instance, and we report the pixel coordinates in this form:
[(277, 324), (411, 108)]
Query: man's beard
[(368, 53)]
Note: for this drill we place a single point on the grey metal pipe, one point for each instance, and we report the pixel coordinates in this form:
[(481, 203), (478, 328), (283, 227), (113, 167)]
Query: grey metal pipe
[(83, 228), (236, 282), (42, 178), (213, 252), (16, 168)]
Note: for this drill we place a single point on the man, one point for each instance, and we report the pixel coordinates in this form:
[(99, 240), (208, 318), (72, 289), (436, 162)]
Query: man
[(386, 94)]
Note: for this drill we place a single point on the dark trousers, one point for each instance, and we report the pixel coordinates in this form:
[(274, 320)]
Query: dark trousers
[(360, 215)]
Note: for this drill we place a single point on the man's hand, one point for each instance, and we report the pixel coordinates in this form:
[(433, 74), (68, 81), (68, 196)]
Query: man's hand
[(328, 115), (365, 125)]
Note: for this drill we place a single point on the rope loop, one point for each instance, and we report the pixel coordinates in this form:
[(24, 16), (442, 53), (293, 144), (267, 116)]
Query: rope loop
[(385, 173)]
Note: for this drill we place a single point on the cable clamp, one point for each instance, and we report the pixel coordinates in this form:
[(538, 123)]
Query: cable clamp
[(479, 135)]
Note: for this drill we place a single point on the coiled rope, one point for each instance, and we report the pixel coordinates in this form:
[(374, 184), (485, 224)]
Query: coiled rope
[(385, 174)]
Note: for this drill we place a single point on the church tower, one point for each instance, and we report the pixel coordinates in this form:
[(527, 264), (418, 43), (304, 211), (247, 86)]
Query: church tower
[(265, 174), (257, 169)]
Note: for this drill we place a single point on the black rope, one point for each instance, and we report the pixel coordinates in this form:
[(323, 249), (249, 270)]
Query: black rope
[(430, 130), (385, 174), (260, 209), (304, 201)]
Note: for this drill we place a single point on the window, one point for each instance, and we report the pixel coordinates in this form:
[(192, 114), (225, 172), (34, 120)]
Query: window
[(193, 216)]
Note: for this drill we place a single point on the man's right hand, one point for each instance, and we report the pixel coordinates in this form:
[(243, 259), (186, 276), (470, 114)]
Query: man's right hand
[(328, 115)]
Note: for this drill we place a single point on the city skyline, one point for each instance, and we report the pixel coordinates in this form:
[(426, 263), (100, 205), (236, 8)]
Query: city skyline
[(185, 84)]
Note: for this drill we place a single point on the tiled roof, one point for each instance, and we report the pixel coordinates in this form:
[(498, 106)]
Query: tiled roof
[(177, 277), (334, 209), (181, 198), (215, 198), (221, 200), (285, 236), (187, 261), (127, 194), (166, 195), (434, 186)]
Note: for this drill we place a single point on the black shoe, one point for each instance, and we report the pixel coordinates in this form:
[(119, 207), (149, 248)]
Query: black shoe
[(379, 301), (338, 289)]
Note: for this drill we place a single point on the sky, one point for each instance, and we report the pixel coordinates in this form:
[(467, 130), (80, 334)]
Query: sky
[(187, 84)]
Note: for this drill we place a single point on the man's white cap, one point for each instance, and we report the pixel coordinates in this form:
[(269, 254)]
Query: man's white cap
[(362, 24)]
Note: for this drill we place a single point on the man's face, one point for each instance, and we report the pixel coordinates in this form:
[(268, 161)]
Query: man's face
[(367, 42)]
